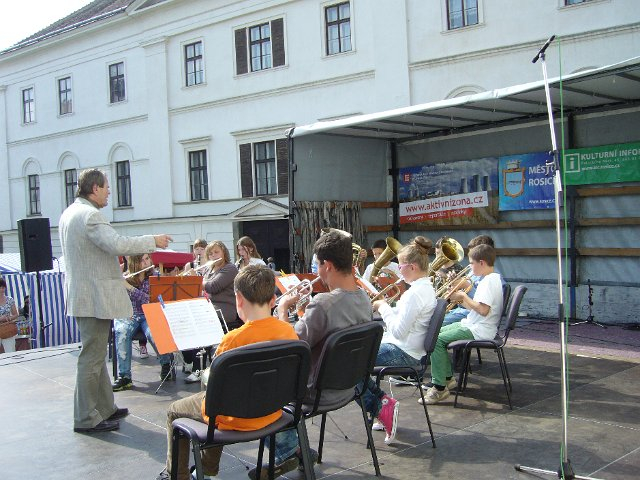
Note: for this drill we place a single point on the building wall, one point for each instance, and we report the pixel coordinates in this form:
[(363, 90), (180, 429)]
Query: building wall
[(402, 54)]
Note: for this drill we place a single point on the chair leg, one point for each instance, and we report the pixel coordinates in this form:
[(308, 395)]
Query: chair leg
[(175, 445), (479, 356), (303, 439), (506, 370), (259, 461), (464, 373), (272, 457), (426, 414), (323, 423), (197, 459), (367, 428), (504, 380)]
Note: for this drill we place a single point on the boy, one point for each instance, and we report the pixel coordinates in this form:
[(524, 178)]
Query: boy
[(481, 323), (254, 287)]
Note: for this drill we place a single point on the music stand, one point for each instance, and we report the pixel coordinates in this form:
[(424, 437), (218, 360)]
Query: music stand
[(174, 288)]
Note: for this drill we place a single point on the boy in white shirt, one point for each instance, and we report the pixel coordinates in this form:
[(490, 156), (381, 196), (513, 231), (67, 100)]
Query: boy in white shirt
[(481, 323)]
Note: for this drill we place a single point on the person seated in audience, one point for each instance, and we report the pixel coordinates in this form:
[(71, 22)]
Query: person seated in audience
[(254, 287), (485, 309)]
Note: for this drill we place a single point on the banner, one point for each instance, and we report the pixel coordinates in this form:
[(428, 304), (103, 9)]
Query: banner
[(454, 193), (603, 164), (526, 181)]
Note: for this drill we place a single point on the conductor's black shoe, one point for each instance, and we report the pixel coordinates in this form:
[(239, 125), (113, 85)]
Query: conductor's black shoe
[(123, 383), (103, 426), (118, 414)]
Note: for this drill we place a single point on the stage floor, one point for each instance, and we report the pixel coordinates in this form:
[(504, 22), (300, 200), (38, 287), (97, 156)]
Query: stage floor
[(482, 439)]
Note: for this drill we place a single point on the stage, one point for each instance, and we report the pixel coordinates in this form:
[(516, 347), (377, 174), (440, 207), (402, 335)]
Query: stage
[(481, 440)]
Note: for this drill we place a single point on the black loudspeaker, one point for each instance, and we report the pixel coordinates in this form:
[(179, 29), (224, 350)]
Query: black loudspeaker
[(35, 244)]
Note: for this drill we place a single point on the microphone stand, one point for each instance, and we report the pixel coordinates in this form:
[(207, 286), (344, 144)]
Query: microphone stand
[(565, 471)]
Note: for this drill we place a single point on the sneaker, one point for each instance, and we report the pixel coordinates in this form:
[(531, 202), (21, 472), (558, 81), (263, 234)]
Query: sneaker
[(194, 377), (434, 395), (122, 383), (388, 416), (193, 475), (377, 425), (452, 384), (187, 368), (143, 351), (401, 381), (165, 371), (286, 466), (163, 475)]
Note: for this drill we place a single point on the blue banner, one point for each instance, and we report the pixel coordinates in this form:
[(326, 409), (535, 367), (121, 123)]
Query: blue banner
[(526, 181)]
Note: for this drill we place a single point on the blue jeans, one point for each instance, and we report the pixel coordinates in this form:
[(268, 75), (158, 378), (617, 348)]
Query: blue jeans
[(388, 355), (286, 445), (124, 329), (455, 315)]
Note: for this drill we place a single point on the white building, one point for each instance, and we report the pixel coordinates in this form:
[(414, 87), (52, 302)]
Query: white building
[(185, 103)]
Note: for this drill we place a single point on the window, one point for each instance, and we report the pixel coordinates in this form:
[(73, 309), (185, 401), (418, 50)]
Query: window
[(64, 95), (28, 106), (265, 163), (34, 194), (198, 175), (338, 25), (260, 47), (462, 13), (193, 64), (123, 182), (70, 185), (116, 82)]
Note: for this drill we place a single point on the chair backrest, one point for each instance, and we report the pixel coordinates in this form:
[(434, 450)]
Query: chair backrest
[(258, 379), (347, 357), (435, 324), (506, 294), (514, 308)]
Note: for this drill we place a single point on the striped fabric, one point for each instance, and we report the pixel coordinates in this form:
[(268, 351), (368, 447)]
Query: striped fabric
[(58, 331)]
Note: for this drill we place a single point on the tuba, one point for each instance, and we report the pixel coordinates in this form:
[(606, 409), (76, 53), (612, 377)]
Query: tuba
[(393, 247), (359, 257), (452, 251)]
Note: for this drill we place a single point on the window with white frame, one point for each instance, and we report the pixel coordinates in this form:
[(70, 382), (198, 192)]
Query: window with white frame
[(260, 47), (34, 194), (65, 100), (193, 64), (198, 175), (116, 83), (338, 28), (70, 185), (28, 105), (264, 168), (123, 183), (462, 13)]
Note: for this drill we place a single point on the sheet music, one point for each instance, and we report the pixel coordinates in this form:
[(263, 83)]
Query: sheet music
[(289, 281), (193, 323)]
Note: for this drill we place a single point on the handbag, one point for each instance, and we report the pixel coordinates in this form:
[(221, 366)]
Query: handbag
[(8, 330)]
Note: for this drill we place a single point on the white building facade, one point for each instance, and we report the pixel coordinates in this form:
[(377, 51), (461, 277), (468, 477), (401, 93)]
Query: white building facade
[(185, 104)]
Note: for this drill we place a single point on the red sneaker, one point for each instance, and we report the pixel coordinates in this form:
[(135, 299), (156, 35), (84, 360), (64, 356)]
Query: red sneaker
[(388, 416)]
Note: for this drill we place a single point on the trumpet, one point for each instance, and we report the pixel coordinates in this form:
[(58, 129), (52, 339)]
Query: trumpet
[(129, 275), (464, 284), (384, 293), (444, 288), (305, 286), (210, 263)]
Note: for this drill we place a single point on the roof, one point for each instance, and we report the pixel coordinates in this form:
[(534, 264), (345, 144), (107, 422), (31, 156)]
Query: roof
[(95, 11), (613, 86)]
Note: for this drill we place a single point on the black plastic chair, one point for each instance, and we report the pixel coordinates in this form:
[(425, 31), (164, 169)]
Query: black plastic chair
[(248, 382), (433, 329), (348, 357), (497, 345), (506, 294)]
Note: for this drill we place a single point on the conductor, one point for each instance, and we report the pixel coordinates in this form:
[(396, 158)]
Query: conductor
[(95, 294)]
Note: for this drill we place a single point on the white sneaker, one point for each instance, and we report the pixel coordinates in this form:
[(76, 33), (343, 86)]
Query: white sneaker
[(377, 426), (143, 351), (194, 377)]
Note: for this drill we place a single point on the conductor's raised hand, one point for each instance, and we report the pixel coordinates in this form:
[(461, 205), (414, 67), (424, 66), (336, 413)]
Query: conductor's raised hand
[(162, 241)]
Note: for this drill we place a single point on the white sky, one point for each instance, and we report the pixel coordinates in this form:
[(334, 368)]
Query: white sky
[(22, 18)]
